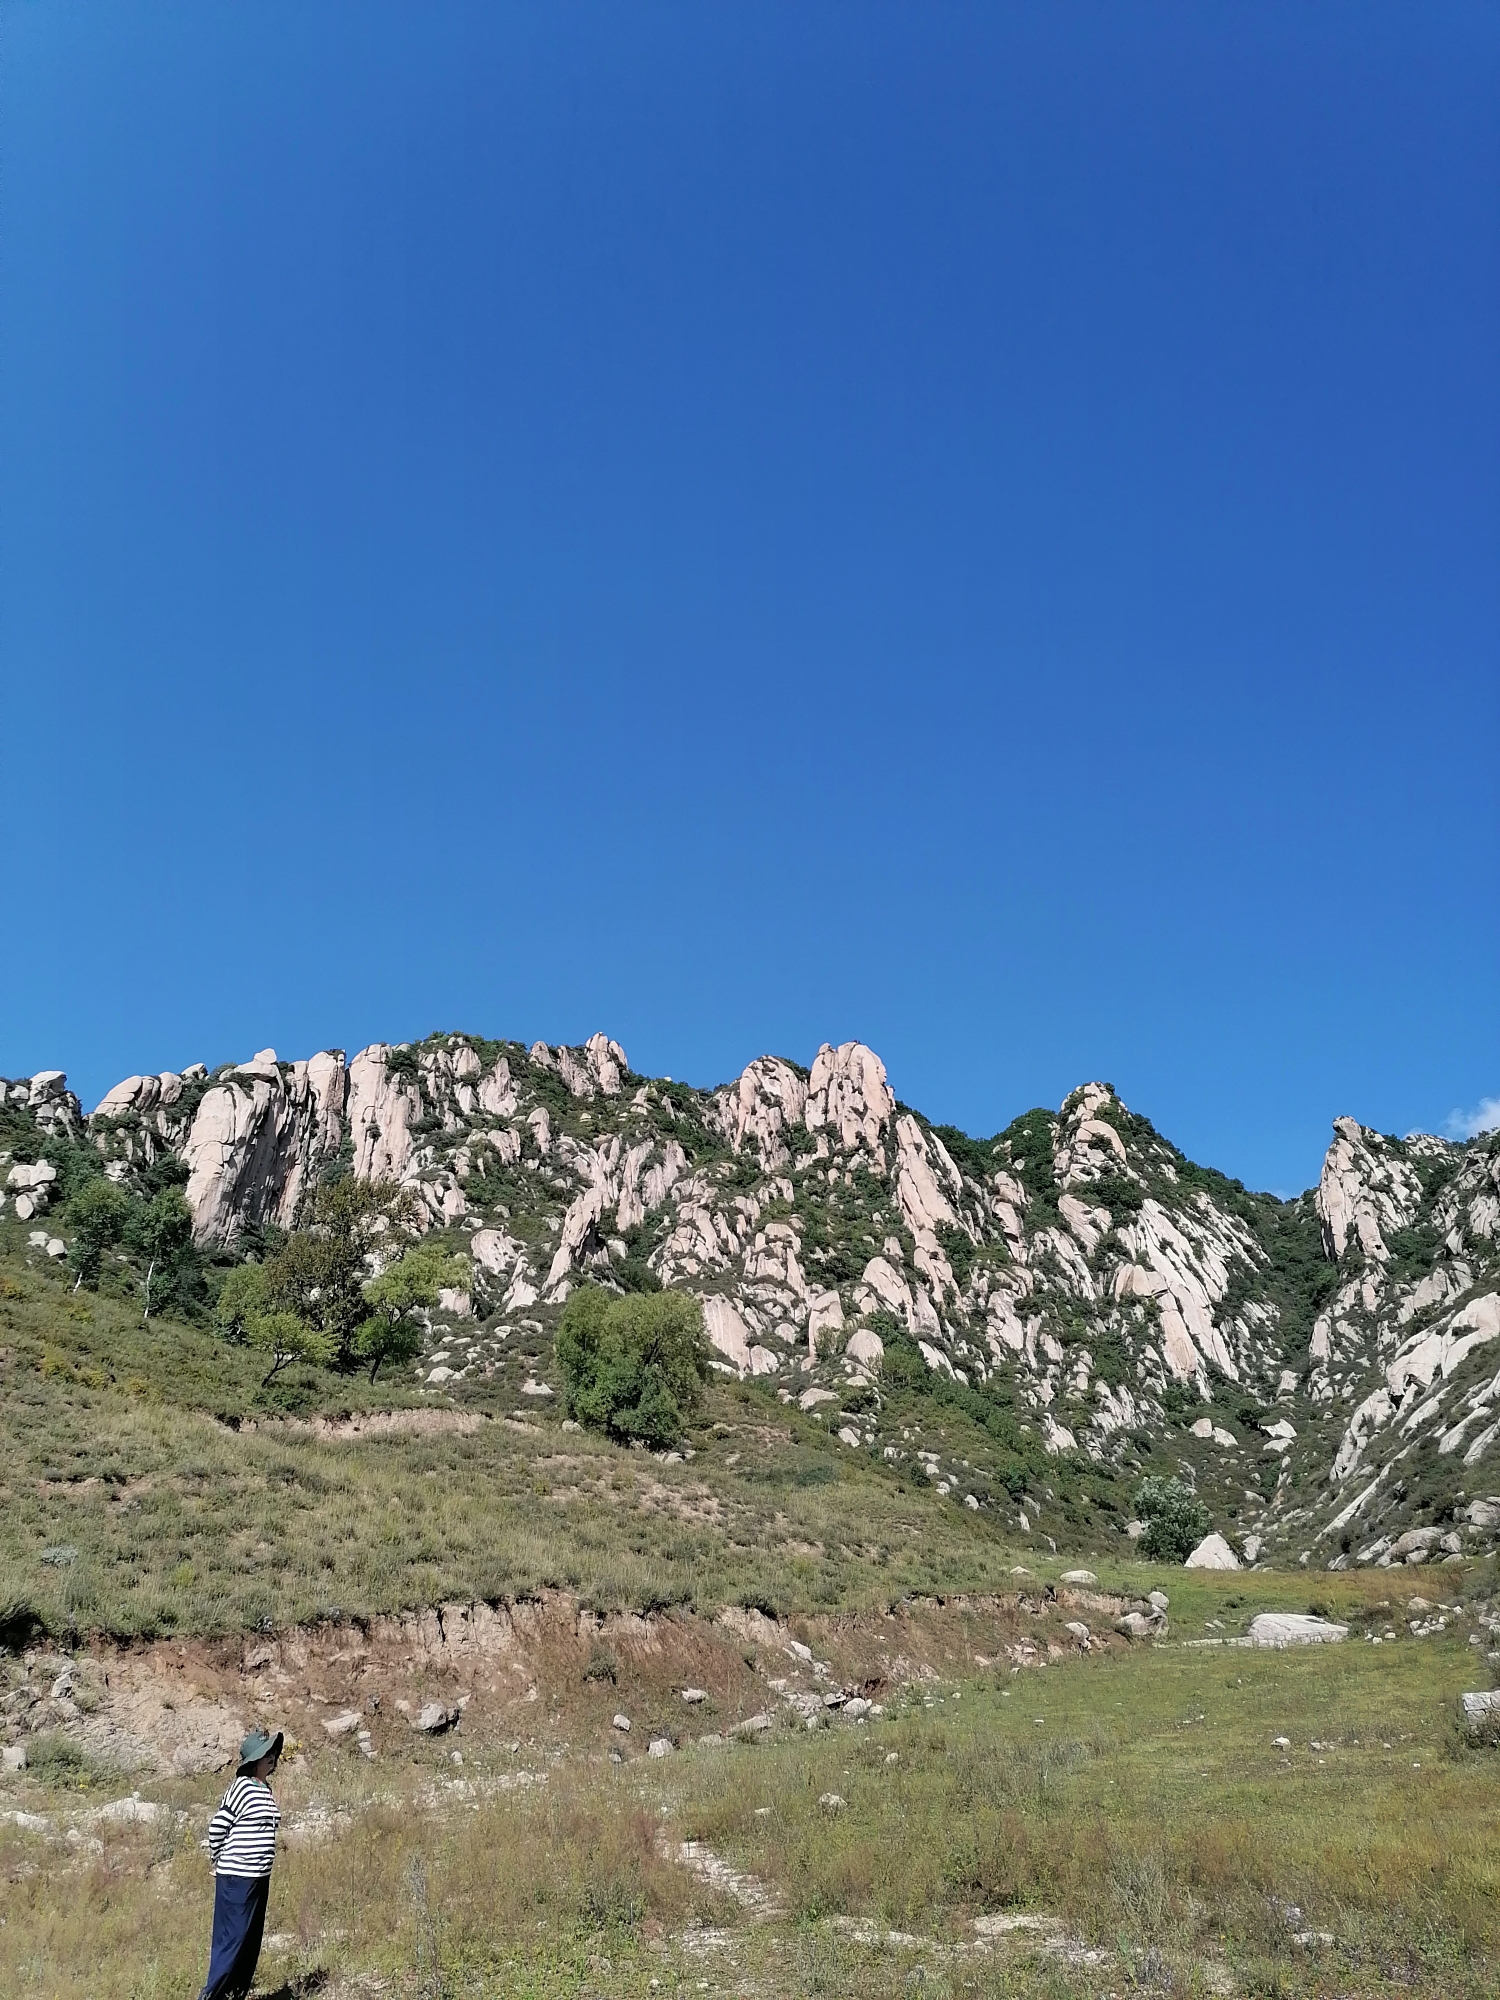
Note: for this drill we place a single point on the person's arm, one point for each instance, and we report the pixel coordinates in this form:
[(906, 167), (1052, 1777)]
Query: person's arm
[(220, 1824)]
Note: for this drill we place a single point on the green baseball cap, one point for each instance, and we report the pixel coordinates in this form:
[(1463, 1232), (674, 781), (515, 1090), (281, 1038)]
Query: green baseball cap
[(257, 1745)]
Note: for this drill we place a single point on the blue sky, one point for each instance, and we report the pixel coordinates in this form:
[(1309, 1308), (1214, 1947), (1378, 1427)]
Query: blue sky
[(973, 528)]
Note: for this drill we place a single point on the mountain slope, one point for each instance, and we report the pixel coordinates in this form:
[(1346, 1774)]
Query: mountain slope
[(1321, 1369)]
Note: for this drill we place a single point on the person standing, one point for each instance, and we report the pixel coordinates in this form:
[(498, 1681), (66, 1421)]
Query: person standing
[(242, 1845)]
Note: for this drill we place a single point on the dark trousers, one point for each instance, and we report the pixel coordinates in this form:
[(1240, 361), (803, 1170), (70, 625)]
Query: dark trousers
[(239, 1919)]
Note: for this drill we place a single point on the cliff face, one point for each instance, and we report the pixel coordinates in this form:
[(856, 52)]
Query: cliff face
[(1325, 1367)]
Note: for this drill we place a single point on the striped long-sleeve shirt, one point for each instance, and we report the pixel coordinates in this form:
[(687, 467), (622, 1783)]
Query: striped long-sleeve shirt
[(242, 1833)]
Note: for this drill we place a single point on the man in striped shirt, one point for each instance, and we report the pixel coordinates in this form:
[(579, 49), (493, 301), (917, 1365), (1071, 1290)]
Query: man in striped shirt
[(242, 1845)]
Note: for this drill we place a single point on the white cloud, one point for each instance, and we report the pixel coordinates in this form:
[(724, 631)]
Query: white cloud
[(1485, 1117)]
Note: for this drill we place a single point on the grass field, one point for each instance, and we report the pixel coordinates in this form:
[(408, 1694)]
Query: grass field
[(1134, 1811)]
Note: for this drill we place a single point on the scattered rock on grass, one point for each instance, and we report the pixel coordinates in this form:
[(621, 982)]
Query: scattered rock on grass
[(1294, 1628)]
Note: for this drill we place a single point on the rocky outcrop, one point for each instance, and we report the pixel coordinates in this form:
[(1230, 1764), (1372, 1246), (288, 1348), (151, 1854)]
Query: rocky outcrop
[(257, 1139), (1075, 1264), (848, 1098)]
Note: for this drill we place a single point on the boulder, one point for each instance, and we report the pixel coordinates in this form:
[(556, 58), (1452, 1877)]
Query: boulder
[(1481, 1712), (866, 1347), (339, 1726), (434, 1719), (1415, 1542), (1135, 1625), (1159, 1601), (1213, 1552), (1077, 1630), (1294, 1628), (1078, 1576)]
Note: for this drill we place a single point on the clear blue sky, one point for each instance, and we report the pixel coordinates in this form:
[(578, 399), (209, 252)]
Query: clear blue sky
[(970, 527)]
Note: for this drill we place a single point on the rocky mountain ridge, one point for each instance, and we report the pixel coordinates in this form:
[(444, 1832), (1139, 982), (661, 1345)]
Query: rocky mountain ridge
[(1323, 1369)]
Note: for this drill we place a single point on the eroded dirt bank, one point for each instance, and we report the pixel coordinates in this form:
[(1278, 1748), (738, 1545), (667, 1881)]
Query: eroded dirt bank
[(539, 1669)]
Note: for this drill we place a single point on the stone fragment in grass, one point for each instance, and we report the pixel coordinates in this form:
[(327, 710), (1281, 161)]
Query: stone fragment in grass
[(13, 1757), (857, 1709), (1482, 1712), (753, 1725), (1281, 1742), (1294, 1628), (434, 1719), (1159, 1600), (694, 1695), (1078, 1576), (1076, 1629), (831, 1801), (621, 1722), (660, 1746), (339, 1726)]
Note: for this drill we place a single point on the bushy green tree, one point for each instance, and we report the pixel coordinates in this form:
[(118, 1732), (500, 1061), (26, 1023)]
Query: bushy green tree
[(96, 1216), (286, 1338), (633, 1366), (393, 1332), (242, 1296), (319, 1273), (1176, 1519), (162, 1233)]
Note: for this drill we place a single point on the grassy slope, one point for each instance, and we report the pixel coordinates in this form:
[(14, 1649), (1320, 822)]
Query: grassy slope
[(111, 1446), (1140, 1801)]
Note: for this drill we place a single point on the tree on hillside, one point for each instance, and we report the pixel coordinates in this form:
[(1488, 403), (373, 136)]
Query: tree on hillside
[(633, 1366), (1176, 1519), (96, 1215), (393, 1332), (248, 1311), (241, 1297), (320, 1271), (162, 1231), (286, 1339)]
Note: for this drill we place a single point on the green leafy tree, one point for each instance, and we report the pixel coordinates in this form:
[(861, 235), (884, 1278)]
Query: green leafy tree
[(633, 1366), (287, 1339), (96, 1215), (1176, 1519), (320, 1271), (242, 1297), (162, 1232), (393, 1332)]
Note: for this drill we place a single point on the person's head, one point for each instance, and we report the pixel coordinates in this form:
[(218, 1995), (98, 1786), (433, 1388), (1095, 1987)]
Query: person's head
[(259, 1754)]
